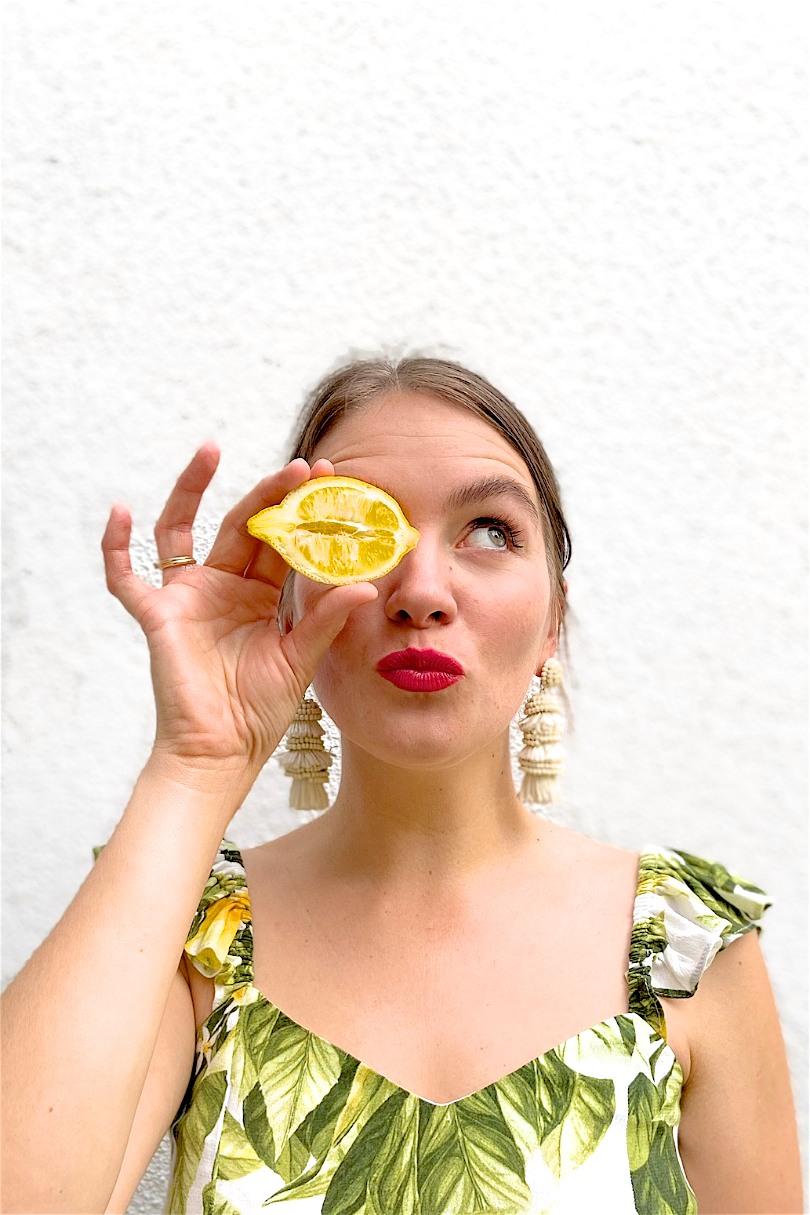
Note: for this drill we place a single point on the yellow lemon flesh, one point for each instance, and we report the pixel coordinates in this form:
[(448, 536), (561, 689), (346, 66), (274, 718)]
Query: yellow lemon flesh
[(337, 530)]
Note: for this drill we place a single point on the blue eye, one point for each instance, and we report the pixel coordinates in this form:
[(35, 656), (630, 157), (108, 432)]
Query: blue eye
[(510, 534)]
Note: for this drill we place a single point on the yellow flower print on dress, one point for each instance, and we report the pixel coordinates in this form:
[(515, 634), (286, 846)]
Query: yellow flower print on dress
[(210, 944)]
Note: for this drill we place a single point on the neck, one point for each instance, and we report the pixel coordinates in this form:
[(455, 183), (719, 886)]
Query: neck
[(416, 837)]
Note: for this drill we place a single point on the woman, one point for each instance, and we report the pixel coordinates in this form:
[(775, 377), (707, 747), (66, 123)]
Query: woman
[(447, 1031)]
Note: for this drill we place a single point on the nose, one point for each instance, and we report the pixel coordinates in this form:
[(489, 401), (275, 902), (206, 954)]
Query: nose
[(419, 590)]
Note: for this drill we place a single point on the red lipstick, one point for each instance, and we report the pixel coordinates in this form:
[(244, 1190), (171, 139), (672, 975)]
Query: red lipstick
[(420, 670)]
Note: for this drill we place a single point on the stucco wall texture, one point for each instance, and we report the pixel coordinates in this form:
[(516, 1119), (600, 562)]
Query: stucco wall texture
[(599, 207)]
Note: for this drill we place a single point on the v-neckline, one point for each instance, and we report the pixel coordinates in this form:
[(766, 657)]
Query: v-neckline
[(591, 1029)]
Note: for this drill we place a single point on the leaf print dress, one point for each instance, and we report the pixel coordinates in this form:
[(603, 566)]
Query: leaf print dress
[(275, 1118)]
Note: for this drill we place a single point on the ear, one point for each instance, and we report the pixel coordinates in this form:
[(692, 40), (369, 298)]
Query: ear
[(550, 644), (287, 621), (548, 652)]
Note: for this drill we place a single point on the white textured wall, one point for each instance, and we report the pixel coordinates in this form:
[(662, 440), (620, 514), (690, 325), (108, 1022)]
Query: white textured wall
[(598, 206)]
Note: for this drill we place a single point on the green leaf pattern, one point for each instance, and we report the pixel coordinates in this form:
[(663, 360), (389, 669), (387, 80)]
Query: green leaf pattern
[(687, 910), (276, 1117)]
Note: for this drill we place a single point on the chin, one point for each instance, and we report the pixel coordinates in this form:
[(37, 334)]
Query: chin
[(421, 746)]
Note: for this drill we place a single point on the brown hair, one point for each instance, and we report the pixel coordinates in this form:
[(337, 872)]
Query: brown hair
[(356, 384)]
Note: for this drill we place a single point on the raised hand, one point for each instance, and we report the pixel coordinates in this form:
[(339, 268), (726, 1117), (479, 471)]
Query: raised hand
[(226, 682)]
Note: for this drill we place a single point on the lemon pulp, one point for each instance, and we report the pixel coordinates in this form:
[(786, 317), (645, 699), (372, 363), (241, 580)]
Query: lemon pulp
[(337, 530)]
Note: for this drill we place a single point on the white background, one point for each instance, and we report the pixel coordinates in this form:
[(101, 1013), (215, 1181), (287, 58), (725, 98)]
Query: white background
[(600, 207)]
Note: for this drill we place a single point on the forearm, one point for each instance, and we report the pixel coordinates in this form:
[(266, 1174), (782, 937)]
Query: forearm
[(81, 1019)]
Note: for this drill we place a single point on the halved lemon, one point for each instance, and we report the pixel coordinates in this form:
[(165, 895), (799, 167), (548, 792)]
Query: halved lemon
[(337, 530)]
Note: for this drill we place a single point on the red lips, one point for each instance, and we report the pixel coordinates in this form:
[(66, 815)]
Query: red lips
[(420, 660)]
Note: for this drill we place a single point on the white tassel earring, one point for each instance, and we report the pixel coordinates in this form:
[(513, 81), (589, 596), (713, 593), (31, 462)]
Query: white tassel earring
[(541, 759), (306, 759)]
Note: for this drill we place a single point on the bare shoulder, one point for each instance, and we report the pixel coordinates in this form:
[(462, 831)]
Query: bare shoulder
[(738, 1135), (733, 999), (582, 854), (283, 852)]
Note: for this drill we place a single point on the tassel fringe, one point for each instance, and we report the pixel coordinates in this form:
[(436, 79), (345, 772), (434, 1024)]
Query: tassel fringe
[(306, 759), (541, 759)]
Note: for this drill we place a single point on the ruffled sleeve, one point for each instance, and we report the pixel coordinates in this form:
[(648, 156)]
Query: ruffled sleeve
[(687, 910), (220, 940)]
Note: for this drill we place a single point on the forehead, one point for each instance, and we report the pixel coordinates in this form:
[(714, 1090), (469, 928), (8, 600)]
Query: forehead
[(418, 432)]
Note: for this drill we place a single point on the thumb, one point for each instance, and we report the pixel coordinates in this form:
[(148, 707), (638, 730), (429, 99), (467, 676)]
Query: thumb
[(312, 636)]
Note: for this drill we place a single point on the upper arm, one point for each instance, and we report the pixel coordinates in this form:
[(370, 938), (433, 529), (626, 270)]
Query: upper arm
[(165, 1085), (737, 1138)]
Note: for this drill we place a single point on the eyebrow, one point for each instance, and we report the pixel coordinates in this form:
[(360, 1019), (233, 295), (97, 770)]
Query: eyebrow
[(492, 487)]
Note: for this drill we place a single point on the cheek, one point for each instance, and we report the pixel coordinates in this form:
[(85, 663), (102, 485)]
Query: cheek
[(520, 604), (520, 640), (523, 625)]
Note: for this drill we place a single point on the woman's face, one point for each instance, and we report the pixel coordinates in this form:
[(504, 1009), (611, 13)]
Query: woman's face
[(465, 590)]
